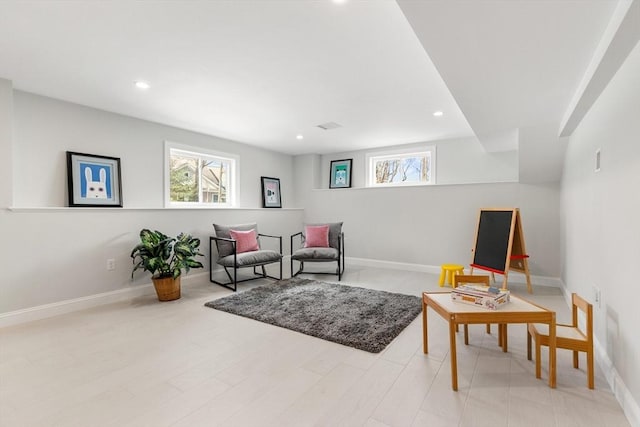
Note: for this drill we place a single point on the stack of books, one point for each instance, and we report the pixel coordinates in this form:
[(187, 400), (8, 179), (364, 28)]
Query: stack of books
[(481, 296)]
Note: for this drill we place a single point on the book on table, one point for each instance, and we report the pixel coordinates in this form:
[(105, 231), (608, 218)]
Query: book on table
[(481, 296)]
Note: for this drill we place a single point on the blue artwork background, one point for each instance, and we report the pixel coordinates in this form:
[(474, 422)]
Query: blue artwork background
[(95, 173)]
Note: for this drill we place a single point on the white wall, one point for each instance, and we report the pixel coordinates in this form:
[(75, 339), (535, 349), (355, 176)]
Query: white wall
[(306, 172), (600, 223), (6, 146), (459, 161), (433, 225), (57, 254), (46, 128)]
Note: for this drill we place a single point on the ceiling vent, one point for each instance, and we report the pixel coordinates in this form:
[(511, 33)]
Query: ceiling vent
[(329, 126)]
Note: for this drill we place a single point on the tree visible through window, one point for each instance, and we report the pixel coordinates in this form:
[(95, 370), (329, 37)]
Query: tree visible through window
[(200, 178), (401, 169)]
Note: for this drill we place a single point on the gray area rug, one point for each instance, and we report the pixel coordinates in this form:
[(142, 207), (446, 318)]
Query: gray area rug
[(361, 318)]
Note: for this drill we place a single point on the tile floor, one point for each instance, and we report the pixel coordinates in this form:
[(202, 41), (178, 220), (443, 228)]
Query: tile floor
[(145, 363)]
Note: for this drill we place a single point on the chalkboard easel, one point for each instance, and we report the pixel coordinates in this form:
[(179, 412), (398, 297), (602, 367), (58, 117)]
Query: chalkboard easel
[(499, 245)]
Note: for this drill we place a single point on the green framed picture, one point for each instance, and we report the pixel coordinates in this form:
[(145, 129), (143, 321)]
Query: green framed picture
[(340, 173)]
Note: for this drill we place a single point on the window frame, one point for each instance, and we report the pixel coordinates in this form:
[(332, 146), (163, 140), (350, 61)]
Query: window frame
[(372, 157), (233, 194)]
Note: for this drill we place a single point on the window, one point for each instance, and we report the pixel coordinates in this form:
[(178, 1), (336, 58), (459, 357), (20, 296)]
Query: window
[(195, 177), (401, 167)]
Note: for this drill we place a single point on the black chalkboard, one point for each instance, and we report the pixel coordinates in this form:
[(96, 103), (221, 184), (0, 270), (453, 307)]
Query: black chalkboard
[(492, 241)]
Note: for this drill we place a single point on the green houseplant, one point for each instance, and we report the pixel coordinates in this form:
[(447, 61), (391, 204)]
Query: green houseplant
[(165, 257)]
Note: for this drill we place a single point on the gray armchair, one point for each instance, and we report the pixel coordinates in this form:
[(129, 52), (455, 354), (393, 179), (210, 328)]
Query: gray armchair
[(229, 258), (333, 253)]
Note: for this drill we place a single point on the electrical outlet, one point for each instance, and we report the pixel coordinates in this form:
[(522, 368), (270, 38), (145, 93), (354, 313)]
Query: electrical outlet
[(597, 297), (111, 264)]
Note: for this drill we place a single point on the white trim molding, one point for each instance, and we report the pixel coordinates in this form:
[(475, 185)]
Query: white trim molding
[(514, 277), (618, 387), (69, 306), (630, 407)]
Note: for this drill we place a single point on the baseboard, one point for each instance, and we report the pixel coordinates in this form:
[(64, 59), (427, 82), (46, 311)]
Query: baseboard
[(63, 307), (618, 387), (514, 277), (392, 265), (67, 306)]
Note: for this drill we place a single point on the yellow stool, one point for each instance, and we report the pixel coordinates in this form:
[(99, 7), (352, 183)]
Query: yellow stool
[(447, 273)]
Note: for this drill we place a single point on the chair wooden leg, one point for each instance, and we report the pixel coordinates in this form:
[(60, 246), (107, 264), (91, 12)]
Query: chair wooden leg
[(528, 345), (466, 334), (590, 382), (575, 359), (488, 328), (538, 370), (505, 338)]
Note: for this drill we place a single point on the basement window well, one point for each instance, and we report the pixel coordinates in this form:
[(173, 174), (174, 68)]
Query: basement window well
[(196, 177)]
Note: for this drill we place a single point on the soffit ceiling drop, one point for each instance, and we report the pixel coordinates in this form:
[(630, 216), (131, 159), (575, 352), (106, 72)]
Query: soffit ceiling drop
[(262, 72), (513, 67), (259, 72)]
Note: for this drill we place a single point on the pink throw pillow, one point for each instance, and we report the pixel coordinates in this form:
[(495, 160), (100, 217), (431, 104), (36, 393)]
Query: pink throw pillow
[(246, 241), (317, 236)]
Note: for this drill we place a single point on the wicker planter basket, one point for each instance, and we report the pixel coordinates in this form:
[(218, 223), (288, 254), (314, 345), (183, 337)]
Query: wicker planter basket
[(167, 288)]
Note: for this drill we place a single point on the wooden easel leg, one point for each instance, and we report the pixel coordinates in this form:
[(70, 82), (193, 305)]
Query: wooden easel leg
[(526, 272)]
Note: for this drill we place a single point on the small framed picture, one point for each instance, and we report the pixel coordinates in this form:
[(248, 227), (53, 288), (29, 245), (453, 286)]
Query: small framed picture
[(93, 181), (340, 173), (271, 192)]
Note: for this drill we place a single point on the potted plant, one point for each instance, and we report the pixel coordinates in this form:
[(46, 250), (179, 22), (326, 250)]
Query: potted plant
[(165, 257)]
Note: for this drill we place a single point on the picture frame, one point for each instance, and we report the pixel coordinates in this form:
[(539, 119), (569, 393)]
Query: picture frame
[(340, 173), (271, 196), (93, 180)]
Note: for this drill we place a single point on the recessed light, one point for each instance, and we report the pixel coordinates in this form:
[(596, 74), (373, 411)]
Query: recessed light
[(299, 136), (438, 114), (142, 85), (339, 1)]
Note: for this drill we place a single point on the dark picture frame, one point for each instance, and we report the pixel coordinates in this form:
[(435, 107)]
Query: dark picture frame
[(93, 180), (271, 196), (340, 173)]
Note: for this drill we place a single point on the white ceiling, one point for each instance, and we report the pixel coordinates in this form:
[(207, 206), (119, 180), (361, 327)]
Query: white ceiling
[(261, 72)]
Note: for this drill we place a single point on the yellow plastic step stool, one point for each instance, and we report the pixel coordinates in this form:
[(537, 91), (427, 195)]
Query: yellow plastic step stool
[(448, 271)]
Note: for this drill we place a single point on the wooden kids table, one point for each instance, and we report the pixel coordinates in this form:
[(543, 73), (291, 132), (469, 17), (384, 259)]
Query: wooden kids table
[(516, 311)]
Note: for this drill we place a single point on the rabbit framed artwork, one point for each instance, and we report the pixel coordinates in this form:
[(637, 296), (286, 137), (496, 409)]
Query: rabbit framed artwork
[(93, 181)]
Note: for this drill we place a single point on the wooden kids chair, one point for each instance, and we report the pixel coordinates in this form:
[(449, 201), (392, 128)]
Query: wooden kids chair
[(569, 337)]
